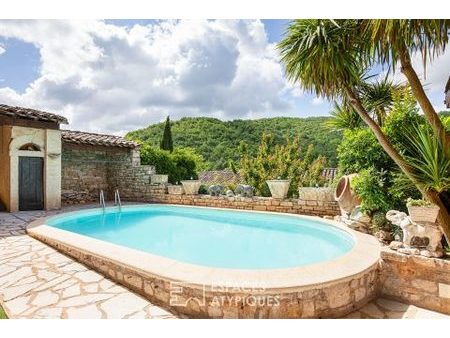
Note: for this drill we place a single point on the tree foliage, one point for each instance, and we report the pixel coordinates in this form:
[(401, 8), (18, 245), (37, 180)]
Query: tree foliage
[(181, 164), (166, 141), (283, 161), (217, 141)]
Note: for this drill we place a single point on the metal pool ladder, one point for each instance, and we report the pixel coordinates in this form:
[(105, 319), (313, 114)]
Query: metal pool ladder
[(102, 200), (117, 199)]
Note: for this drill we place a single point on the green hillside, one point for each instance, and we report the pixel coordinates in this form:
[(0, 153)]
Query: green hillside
[(217, 140)]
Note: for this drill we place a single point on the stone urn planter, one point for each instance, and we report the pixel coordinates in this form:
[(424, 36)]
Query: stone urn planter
[(191, 187), (315, 194), (422, 211), (159, 179), (279, 188), (345, 196), (175, 190)]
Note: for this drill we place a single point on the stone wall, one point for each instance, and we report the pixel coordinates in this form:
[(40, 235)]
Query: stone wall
[(88, 169), (158, 194), (421, 281), (332, 299)]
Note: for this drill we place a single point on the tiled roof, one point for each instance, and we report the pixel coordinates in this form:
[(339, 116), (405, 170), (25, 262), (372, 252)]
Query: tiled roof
[(329, 173), (31, 114), (79, 137), (222, 177)]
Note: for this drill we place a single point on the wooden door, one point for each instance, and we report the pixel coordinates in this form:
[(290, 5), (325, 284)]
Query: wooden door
[(31, 183)]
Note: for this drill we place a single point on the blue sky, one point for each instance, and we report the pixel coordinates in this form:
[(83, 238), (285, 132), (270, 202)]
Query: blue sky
[(117, 75)]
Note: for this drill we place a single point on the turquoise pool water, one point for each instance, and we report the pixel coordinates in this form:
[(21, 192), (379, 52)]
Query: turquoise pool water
[(210, 237)]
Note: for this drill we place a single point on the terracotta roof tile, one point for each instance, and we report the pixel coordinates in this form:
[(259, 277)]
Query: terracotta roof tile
[(222, 177), (31, 114), (79, 137)]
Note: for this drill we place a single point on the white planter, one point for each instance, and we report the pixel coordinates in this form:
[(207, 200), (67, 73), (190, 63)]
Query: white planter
[(159, 179), (423, 214), (315, 194), (191, 187), (175, 190), (279, 188)]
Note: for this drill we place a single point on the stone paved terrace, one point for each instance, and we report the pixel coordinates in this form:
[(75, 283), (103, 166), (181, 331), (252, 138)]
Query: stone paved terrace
[(36, 281)]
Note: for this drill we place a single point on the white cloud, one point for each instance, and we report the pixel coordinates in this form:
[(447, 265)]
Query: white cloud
[(112, 79), (2, 50), (434, 77), (317, 101)]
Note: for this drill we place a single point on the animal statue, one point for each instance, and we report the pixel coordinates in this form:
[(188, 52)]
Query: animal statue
[(418, 235), (215, 190), (244, 190)]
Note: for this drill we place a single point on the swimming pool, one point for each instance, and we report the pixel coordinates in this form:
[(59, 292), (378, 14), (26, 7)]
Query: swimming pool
[(222, 263), (211, 237)]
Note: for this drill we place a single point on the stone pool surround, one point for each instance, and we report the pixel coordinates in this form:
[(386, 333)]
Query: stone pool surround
[(326, 290)]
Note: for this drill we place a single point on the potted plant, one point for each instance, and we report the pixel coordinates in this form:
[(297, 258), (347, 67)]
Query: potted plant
[(191, 186), (422, 210), (279, 188)]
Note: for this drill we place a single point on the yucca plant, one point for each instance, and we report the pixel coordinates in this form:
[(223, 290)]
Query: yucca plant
[(427, 159)]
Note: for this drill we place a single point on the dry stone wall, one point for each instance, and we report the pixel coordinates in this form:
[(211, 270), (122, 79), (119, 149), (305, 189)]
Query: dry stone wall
[(158, 194), (417, 280), (88, 169)]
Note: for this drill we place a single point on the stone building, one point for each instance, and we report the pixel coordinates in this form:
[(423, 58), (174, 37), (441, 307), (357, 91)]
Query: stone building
[(30, 159), (42, 165)]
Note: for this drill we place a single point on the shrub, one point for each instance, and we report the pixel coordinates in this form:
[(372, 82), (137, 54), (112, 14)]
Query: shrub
[(203, 190), (181, 164), (371, 187), (379, 221), (283, 161), (360, 150), (418, 203)]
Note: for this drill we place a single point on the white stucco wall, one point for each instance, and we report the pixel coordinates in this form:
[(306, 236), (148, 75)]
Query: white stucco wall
[(49, 141)]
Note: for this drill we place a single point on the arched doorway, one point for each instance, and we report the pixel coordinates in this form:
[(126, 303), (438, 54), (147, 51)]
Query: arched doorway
[(31, 179)]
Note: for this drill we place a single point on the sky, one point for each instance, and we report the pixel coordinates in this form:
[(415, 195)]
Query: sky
[(113, 76)]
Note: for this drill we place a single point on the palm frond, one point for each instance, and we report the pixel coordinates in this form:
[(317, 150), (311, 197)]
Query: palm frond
[(344, 117), (324, 56), (427, 159)]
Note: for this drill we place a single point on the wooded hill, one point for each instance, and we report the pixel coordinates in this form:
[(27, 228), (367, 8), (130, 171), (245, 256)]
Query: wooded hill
[(217, 141)]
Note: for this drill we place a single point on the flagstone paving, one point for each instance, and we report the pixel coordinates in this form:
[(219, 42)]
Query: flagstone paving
[(36, 281)]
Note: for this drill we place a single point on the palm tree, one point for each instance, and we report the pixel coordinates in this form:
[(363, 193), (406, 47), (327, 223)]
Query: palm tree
[(394, 41), (378, 97), (327, 57), (344, 117)]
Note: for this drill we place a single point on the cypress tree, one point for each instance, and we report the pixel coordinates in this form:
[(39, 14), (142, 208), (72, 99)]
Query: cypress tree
[(166, 142)]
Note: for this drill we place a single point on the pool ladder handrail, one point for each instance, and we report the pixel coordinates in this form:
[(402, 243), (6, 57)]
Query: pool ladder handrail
[(102, 200), (117, 199)]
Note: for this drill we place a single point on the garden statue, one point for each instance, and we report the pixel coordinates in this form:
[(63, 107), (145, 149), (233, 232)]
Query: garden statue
[(215, 190), (229, 193), (244, 190), (422, 238)]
